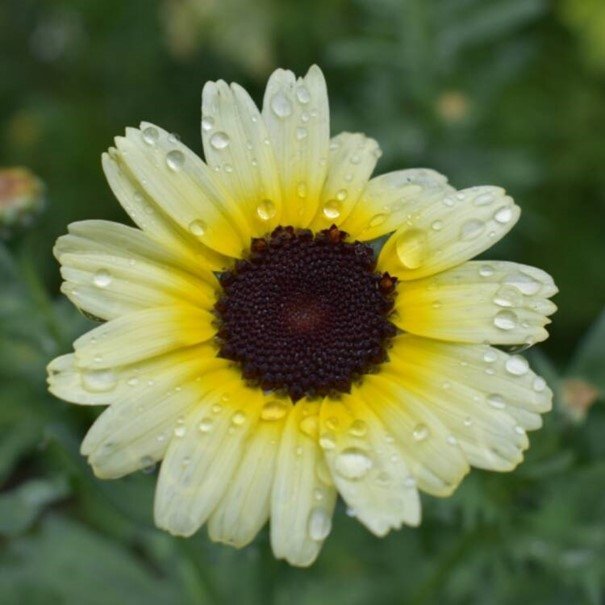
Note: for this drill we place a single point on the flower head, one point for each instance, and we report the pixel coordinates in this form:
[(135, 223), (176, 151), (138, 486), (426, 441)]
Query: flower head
[(257, 346)]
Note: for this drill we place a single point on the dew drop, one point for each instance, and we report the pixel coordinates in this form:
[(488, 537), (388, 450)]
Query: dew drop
[(133, 382), (420, 432), (266, 210), (274, 410), (197, 227), (358, 428), (303, 95), (539, 384), (523, 282), (483, 199), (301, 133), (468, 421), (319, 524), (151, 135), (99, 381), (496, 401), (411, 248), (207, 124), (175, 160), (239, 418), (102, 278), (301, 189), (353, 463), (437, 225), (508, 296), (471, 229), (309, 426), (341, 195), (220, 140), (516, 365), (205, 425), (505, 320), (331, 209), (326, 441), (451, 440), (280, 105), (179, 430), (486, 271), (377, 220), (503, 215), (147, 465), (490, 356)]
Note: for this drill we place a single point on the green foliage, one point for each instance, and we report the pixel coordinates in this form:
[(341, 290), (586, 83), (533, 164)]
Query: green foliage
[(496, 91)]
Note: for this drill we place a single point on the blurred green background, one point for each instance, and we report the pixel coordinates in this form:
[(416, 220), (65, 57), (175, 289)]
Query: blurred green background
[(506, 92)]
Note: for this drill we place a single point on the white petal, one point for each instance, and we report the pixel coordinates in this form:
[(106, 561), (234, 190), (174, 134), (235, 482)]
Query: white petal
[(235, 145), (385, 202), (297, 116), (303, 498), (150, 217), (142, 334), (447, 232), (486, 398), (136, 429), (368, 468), (492, 301), (350, 164), (185, 189), (203, 456), (245, 506), (418, 432)]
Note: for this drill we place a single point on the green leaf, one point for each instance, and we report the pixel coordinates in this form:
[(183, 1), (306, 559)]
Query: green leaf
[(588, 362)]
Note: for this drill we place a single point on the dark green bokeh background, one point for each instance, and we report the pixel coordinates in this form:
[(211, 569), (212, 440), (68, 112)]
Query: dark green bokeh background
[(506, 92)]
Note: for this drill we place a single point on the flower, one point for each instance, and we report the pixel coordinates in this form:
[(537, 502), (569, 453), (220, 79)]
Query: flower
[(255, 345), (22, 198)]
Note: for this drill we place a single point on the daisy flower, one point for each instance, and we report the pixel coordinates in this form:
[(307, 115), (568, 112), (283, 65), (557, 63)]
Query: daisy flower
[(256, 345)]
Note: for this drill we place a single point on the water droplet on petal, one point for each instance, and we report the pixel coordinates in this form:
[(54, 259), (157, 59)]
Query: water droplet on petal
[(239, 418), (516, 365), (486, 271), (377, 220), (301, 189), (99, 381), (503, 215), (451, 440), (326, 441), (353, 463), (411, 248), (274, 410), (421, 432), (539, 384), (280, 105), (179, 430), (309, 426), (175, 160), (472, 229), (508, 296), (358, 428), (505, 320), (437, 225), (319, 524), (301, 133), (151, 135), (147, 465), (496, 401), (331, 209), (468, 421), (303, 95), (490, 356), (102, 278), (220, 140), (207, 123), (197, 227), (523, 282), (483, 199), (205, 425), (266, 210)]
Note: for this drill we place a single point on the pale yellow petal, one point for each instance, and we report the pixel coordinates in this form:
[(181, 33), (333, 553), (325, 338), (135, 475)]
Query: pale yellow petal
[(448, 232), (184, 188), (352, 159), (367, 466), (497, 302), (303, 497), (297, 116), (204, 454), (387, 201), (235, 145), (142, 334)]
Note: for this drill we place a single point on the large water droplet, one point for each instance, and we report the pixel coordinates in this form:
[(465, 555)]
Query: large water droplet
[(331, 209), (490, 356), (516, 365), (420, 432), (508, 296), (238, 418), (483, 199), (205, 425), (280, 105), (411, 248), (99, 381), (197, 227), (327, 442), (472, 229), (319, 524), (175, 160), (102, 278), (505, 320), (503, 215), (486, 271), (274, 410), (358, 428), (151, 135), (266, 210), (220, 140), (309, 426), (539, 384), (523, 282), (207, 124), (353, 463)]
